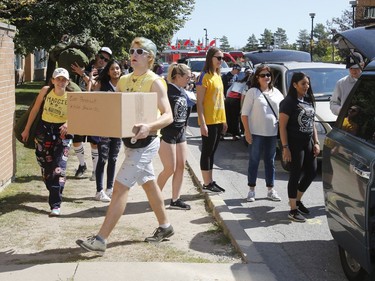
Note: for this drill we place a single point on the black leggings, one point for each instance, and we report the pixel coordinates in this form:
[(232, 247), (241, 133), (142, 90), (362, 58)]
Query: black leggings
[(209, 146), (303, 167)]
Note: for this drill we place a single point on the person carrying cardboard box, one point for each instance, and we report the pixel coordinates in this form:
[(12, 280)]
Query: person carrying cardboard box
[(137, 167)]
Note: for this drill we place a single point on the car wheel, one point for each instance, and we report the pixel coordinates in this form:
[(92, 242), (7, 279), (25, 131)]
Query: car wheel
[(352, 269)]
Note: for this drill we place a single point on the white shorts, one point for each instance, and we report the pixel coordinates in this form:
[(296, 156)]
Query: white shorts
[(137, 166)]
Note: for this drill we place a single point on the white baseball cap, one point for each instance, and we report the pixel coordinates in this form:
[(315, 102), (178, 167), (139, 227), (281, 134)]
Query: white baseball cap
[(106, 50), (60, 72)]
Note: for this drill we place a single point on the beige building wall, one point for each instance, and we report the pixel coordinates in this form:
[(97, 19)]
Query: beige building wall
[(7, 104)]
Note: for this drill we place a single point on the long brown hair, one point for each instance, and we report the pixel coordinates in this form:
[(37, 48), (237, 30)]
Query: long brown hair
[(208, 65)]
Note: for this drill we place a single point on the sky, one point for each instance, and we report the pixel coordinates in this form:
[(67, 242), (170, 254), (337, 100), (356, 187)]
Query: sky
[(239, 19)]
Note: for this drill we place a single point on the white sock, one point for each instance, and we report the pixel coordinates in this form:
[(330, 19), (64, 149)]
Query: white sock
[(95, 157), (165, 225), (80, 152)]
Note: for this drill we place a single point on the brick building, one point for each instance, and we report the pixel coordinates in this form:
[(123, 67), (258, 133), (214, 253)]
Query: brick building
[(7, 104), (364, 12)]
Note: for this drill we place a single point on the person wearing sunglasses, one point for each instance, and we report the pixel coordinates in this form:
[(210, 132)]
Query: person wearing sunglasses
[(211, 115), (137, 167), (88, 75), (260, 121)]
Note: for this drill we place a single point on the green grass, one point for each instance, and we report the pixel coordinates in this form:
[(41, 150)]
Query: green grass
[(25, 93)]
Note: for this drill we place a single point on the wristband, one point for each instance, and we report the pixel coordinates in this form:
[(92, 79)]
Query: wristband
[(285, 146)]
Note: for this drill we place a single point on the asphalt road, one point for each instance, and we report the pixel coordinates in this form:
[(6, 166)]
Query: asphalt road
[(293, 251)]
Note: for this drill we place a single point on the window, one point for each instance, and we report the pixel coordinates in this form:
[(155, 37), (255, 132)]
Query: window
[(360, 118), (369, 13), (18, 62), (40, 60)]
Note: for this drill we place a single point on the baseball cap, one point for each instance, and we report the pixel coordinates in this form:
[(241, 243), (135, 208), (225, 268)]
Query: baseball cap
[(106, 50), (237, 67), (60, 72), (353, 60)]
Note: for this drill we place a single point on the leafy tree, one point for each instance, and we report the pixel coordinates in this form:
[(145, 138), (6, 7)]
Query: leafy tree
[(266, 38), (252, 44), (280, 38), (114, 23), (303, 40), (224, 44)]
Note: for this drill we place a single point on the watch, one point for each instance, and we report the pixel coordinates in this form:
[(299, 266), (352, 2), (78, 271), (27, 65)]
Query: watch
[(285, 146)]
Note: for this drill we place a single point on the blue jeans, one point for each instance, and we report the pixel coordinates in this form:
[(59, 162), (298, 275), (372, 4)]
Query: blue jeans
[(265, 146)]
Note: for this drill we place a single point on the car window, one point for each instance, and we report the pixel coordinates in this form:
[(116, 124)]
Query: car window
[(197, 65), (360, 111), (323, 80)]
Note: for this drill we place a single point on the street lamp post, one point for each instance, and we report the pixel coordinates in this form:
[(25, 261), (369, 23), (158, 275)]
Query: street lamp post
[(354, 5), (312, 15), (206, 38)]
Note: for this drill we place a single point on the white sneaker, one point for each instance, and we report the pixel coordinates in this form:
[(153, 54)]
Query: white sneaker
[(101, 196), (93, 177), (109, 192), (272, 195), (251, 196)]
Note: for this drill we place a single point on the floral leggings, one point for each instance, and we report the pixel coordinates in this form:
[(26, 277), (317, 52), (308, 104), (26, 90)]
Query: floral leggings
[(52, 155)]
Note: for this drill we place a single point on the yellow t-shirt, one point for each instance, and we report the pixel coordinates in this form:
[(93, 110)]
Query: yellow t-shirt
[(213, 103), (55, 108), (133, 83)]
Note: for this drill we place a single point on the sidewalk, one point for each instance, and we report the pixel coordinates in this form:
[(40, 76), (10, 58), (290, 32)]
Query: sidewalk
[(133, 259)]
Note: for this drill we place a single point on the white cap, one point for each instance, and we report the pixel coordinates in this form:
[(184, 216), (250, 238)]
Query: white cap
[(60, 72), (106, 50)]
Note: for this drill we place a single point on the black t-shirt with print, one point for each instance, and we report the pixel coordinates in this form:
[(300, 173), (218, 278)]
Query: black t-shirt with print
[(301, 118)]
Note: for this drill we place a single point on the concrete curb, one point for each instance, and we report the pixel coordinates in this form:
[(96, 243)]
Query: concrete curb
[(240, 240)]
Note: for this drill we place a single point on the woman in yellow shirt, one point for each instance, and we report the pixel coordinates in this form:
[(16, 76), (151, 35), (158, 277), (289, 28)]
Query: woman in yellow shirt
[(211, 115)]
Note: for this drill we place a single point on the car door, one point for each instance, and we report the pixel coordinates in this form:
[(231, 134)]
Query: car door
[(348, 173)]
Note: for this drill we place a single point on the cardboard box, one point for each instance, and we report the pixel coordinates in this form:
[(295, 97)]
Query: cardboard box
[(109, 114)]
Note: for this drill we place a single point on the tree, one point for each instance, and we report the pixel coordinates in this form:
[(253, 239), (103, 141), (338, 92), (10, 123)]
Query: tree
[(224, 44), (114, 23), (266, 38), (280, 38), (322, 46), (252, 44), (303, 40)]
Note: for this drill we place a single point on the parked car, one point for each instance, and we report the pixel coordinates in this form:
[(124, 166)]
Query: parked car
[(323, 80), (276, 55), (349, 163)]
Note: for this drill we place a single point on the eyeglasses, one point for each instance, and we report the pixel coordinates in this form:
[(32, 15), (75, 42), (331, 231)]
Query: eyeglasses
[(265, 75), (103, 58), (138, 51), (218, 58)]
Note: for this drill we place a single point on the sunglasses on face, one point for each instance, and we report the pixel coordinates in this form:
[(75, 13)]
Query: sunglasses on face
[(138, 51), (218, 58), (265, 75), (103, 58)]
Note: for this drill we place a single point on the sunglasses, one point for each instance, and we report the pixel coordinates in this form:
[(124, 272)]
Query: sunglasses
[(265, 75), (218, 58), (138, 51), (103, 58)]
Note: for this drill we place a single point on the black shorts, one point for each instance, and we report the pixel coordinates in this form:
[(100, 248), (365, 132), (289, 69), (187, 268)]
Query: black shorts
[(173, 135), (79, 138)]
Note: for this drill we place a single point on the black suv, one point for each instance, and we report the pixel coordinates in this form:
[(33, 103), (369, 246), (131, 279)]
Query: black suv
[(348, 167)]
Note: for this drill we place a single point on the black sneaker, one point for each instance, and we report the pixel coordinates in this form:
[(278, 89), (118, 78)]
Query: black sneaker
[(218, 186), (179, 204), (80, 171), (301, 208), (294, 215), (211, 188), (160, 234)]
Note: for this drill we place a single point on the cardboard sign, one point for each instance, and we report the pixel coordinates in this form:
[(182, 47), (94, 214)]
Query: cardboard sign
[(109, 114)]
